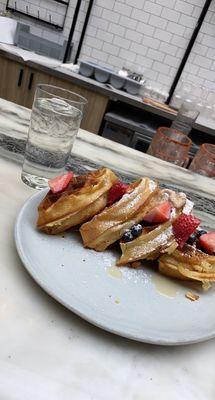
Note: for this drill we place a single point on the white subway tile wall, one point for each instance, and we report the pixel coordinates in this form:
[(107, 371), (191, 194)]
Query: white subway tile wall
[(151, 35), (200, 66)]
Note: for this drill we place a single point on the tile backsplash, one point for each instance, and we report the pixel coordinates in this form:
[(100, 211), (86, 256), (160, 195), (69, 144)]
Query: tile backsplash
[(150, 35)]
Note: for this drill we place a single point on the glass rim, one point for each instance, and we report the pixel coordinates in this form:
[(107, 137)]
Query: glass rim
[(205, 148), (169, 139), (80, 99)]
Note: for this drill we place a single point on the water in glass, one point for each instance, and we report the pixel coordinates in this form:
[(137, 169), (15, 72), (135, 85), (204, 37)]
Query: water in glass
[(53, 128)]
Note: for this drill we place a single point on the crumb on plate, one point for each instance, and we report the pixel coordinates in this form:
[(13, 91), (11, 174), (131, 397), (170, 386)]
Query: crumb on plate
[(192, 296)]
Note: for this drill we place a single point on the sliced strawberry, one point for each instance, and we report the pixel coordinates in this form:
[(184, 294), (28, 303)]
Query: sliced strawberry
[(160, 213), (116, 192), (60, 182), (207, 242), (183, 227)]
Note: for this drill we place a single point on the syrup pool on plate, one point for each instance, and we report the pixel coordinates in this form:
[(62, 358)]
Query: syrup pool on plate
[(164, 286), (114, 272)]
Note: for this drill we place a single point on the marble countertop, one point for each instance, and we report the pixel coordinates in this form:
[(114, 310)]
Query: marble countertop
[(55, 68), (46, 351)]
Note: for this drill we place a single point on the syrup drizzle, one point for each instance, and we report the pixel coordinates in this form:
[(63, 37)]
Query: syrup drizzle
[(165, 286), (114, 272)]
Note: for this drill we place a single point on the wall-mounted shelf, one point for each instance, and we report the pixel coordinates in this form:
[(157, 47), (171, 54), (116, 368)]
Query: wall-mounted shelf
[(48, 22)]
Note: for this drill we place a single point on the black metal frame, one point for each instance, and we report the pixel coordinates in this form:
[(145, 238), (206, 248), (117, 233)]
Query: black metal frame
[(90, 5), (43, 21), (72, 29), (188, 49), (66, 3)]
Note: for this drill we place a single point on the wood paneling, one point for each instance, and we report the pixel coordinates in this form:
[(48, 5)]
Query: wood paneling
[(13, 76)]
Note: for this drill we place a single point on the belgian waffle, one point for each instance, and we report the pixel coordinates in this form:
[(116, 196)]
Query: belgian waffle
[(155, 239), (85, 196), (189, 263), (110, 225), (85, 201)]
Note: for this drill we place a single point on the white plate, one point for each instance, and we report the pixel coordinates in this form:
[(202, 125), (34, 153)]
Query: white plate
[(138, 304)]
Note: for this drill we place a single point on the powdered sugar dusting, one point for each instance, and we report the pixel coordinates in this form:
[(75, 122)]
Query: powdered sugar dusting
[(135, 275), (152, 185), (188, 207)]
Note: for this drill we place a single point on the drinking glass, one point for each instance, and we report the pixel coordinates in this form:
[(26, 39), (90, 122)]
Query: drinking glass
[(186, 117), (170, 145), (204, 161), (55, 119), (183, 91), (176, 100)]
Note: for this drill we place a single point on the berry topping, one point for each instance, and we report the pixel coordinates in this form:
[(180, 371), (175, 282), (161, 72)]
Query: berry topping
[(136, 230), (159, 214), (207, 242), (192, 239), (127, 237), (116, 192), (183, 227), (60, 182)]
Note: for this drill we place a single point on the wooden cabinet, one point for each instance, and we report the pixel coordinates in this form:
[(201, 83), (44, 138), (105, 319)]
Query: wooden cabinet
[(12, 80), (34, 77), (18, 83)]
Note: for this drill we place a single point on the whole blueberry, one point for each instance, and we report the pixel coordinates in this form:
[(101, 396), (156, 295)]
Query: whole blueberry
[(127, 237), (192, 239), (136, 230), (200, 232)]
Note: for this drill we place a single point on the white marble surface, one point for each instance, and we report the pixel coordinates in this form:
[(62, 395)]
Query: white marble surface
[(46, 352)]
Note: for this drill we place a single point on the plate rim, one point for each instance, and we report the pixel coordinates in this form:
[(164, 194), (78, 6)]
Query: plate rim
[(93, 321)]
